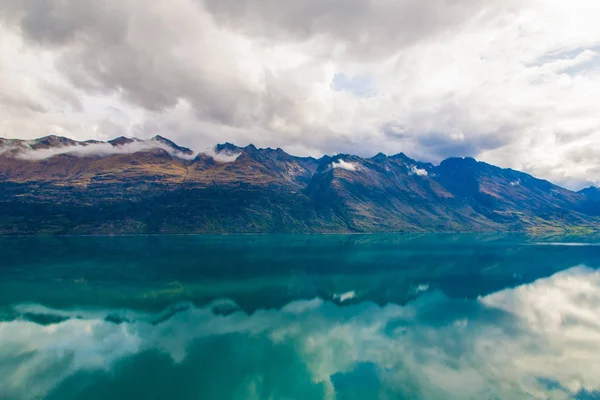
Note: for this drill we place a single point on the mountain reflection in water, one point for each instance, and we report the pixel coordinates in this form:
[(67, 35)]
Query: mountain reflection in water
[(300, 317)]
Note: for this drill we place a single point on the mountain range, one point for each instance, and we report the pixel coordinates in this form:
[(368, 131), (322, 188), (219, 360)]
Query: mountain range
[(55, 185)]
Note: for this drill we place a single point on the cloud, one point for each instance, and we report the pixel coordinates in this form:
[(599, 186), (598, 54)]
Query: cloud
[(345, 296), (25, 152), (349, 166), (512, 83), (223, 156), (434, 347), (414, 170), (360, 28)]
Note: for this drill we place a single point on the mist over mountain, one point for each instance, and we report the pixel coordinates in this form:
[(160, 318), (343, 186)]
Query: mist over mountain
[(55, 185)]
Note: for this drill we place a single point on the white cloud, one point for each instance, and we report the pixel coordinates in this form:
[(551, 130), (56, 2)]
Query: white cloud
[(509, 82), (345, 296), (414, 170), (91, 150), (222, 156), (347, 165)]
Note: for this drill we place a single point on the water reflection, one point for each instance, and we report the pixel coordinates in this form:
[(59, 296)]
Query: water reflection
[(295, 317), (151, 273), (505, 345)]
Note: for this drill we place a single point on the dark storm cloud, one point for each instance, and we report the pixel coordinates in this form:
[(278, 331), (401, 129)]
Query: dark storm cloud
[(360, 27)]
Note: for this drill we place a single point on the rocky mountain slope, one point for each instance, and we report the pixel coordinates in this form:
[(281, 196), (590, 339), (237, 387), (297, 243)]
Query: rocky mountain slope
[(55, 185)]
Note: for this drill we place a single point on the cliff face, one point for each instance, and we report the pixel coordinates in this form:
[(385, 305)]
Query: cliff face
[(55, 185)]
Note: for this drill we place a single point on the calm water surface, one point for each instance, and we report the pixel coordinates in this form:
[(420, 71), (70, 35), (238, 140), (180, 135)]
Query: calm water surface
[(300, 317)]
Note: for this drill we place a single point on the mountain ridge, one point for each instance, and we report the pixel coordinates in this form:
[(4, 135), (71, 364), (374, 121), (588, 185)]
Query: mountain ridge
[(55, 185)]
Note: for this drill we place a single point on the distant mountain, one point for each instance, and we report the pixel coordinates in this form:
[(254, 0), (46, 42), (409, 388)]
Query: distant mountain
[(591, 193), (591, 203), (55, 185)]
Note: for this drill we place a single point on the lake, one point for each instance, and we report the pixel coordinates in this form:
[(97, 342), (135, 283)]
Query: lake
[(442, 316)]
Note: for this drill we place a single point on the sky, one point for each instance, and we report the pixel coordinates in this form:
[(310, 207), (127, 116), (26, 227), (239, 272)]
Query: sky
[(515, 83)]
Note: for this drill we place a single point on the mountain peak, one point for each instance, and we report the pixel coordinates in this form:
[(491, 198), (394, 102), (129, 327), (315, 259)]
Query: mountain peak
[(379, 157), (50, 141), (227, 147), (591, 192), (403, 157), (121, 140), (456, 161), (172, 144)]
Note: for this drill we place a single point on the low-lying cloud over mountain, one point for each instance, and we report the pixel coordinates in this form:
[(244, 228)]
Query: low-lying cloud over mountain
[(93, 149), (36, 150), (513, 83)]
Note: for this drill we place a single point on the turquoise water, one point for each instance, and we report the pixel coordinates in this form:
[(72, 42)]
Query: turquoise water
[(300, 317)]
